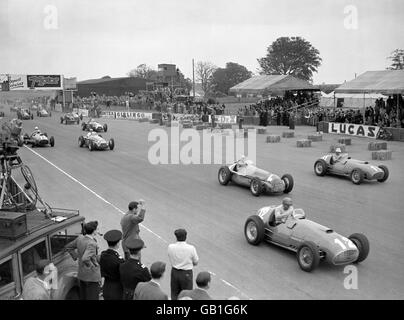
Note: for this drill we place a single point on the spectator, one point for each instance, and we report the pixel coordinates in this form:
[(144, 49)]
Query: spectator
[(132, 271), (152, 290), (37, 288), (109, 262), (203, 280), (130, 223), (85, 249), (183, 257)]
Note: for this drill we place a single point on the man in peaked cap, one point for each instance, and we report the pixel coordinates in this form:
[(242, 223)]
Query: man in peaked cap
[(132, 271), (109, 262)]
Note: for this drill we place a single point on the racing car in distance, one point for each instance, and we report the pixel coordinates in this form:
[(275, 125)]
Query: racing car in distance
[(71, 118), (258, 180), (94, 125), (42, 112), (24, 114), (39, 140), (310, 241), (96, 142), (356, 170)]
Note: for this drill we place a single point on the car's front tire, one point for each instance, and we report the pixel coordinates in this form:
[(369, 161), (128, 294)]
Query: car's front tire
[(357, 176), (254, 230), (52, 141), (81, 141), (362, 243), (386, 173), (256, 187), (224, 175), (289, 183), (105, 127), (91, 146), (111, 144), (308, 256), (320, 167)]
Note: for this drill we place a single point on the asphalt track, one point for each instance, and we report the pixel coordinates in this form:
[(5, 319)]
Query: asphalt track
[(100, 185)]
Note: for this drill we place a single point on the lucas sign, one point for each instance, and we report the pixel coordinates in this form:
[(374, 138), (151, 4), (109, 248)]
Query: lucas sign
[(358, 130)]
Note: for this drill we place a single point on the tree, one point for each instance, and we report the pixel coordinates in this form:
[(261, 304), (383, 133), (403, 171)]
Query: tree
[(143, 71), (397, 60), (204, 72), (225, 78), (294, 56)]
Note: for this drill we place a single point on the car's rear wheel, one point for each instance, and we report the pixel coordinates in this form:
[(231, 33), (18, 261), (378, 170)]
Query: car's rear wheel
[(224, 175), (386, 173), (254, 230), (362, 243), (52, 141), (320, 167), (288, 180), (105, 127), (91, 146), (61, 120), (357, 176), (256, 187), (308, 256), (111, 144)]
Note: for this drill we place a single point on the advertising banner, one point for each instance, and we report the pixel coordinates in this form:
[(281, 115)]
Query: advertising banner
[(70, 83), (132, 115), (358, 130), (231, 119), (108, 114), (18, 82), (45, 81)]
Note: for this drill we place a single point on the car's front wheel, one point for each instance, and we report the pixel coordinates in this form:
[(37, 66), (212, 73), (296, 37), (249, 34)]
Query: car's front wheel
[(320, 167), (288, 180), (224, 175), (357, 176), (52, 141), (105, 127), (362, 243), (308, 256), (256, 187), (111, 144), (254, 230), (91, 146), (386, 173)]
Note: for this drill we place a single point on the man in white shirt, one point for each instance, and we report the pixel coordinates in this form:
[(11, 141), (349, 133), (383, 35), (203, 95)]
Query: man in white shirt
[(183, 258), (284, 210)]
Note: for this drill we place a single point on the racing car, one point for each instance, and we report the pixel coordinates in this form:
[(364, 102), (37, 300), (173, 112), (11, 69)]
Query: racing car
[(38, 139), (94, 125), (71, 118), (96, 142), (24, 114), (356, 170), (310, 241), (42, 112), (258, 180)]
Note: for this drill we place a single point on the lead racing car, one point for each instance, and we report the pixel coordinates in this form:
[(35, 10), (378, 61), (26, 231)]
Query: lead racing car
[(24, 114), (95, 141), (243, 172), (94, 125), (42, 112), (38, 139), (312, 242), (71, 118), (356, 170)]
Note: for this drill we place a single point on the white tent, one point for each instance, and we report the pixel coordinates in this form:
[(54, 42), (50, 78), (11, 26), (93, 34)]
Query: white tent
[(350, 100)]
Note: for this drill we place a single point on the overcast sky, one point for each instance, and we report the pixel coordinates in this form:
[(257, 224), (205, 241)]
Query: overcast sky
[(104, 37)]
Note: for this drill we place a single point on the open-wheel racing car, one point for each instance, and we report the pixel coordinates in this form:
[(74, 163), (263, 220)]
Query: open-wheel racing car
[(39, 139), (311, 241), (94, 125), (42, 112), (356, 170), (96, 142), (258, 180), (71, 118), (24, 114)]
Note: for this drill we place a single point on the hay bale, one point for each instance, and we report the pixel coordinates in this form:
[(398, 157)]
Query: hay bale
[(303, 143), (143, 120), (338, 145), (262, 131), (273, 138), (346, 141), (315, 137), (377, 145), (382, 155), (288, 134)]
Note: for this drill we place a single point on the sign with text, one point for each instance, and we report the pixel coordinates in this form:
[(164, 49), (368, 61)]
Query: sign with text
[(232, 119), (45, 81), (108, 114), (132, 115), (358, 130), (18, 82)]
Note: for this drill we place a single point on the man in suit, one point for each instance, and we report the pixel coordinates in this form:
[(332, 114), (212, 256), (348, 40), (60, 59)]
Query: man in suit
[(151, 290), (130, 223), (201, 292), (132, 271), (85, 249), (109, 262)]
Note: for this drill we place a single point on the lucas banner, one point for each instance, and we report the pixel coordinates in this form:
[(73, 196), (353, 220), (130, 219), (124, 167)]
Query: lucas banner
[(45, 81), (358, 130)]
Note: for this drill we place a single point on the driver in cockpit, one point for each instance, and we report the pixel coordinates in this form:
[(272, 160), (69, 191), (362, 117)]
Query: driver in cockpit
[(91, 133), (36, 131), (283, 211), (241, 166)]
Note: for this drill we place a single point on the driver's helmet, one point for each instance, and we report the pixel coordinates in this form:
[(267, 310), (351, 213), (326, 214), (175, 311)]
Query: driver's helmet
[(287, 201), (338, 150), (36, 129)]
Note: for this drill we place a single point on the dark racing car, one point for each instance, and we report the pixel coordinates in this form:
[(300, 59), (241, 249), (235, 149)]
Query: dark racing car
[(94, 125), (71, 118), (95, 141), (24, 114), (245, 173), (42, 112), (38, 139)]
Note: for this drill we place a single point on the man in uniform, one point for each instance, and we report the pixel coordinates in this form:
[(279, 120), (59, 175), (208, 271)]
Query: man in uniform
[(109, 262), (284, 210), (132, 271)]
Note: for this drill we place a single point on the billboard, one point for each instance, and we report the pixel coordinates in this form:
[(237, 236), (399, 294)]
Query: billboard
[(70, 83), (45, 81), (18, 82)]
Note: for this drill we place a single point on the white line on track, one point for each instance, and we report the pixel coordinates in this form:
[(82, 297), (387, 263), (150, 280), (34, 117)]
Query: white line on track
[(116, 208)]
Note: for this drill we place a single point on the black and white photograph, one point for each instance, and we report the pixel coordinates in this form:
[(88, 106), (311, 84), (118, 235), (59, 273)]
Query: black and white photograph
[(209, 150)]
